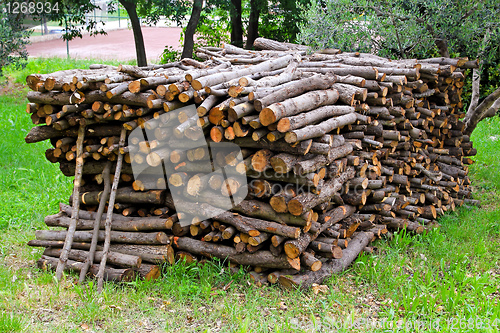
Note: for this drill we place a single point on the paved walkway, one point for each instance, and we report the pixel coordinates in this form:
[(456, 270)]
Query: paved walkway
[(117, 44)]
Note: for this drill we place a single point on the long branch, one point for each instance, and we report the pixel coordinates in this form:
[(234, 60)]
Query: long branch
[(76, 204), (97, 223), (109, 217), (473, 118)]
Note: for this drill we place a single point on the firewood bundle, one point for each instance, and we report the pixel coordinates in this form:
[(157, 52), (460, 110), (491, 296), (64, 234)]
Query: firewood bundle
[(336, 149)]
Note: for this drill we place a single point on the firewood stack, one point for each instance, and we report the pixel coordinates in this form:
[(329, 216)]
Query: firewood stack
[(337, 149)]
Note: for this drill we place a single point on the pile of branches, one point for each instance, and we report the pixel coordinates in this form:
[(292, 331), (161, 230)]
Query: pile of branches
[(333, 150)]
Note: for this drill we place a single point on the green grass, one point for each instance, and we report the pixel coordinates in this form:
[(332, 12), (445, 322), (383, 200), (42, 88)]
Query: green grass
[(50, 65), (11, 323), (444, 278), (31, 186)]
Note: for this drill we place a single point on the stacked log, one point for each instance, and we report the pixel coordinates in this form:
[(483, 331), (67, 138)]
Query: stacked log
[(335, 150)]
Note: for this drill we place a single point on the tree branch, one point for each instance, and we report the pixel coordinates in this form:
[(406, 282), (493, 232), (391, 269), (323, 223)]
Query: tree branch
[(401, 51), (441, 43), (492, 110), (475, 116), (474, 100), (469, 13)]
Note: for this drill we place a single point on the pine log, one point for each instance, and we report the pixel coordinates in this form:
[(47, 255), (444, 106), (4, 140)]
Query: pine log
[(264, 211), (116, 236), (307, 279), (316, 82), (135, 224), (306, 118), (127, 195), (308, 260), (110, 274), (149, 272), (213, 79), (313, 164), (293, 106), (293, 248), (303, 202), (260, 258), (41, 133), (318, 130), (115, 258)]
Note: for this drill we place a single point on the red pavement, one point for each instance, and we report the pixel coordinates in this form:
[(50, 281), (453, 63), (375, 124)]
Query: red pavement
[(117, 44)]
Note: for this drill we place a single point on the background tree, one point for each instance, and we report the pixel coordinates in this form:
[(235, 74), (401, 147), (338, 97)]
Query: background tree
[(13, 39), (70, 14), (419, 28), (73, 16), (152, 11), (214, 26), (236, 23), (256, 7), (140, 50), (281, 19), (187, 50)]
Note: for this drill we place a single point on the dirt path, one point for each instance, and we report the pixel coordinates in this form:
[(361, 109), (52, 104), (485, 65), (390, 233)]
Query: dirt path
[(117, 44)]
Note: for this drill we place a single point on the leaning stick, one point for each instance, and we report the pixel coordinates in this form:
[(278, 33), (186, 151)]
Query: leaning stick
[(63, 258), (95, 234), (109, 216)]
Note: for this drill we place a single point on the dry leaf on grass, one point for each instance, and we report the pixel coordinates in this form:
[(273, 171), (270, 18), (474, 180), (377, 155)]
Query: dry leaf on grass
[(320, 288)]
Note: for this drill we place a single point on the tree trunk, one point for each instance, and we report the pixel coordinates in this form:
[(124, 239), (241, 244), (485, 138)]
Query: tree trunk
[(236, 25), (140, 50), (253, 23), (187, 51), (442, 45), (44, 24)]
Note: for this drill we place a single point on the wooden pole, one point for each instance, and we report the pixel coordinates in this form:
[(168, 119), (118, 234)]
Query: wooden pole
[(109, 217), (63, 258), (95, 234)]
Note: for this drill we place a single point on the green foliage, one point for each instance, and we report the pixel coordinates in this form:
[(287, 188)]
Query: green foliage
[(410, 29), (13, 39), (214, 25), (153, 10), (281, 20), (72, 17), (486, 140), (169, 55), (404, 29)]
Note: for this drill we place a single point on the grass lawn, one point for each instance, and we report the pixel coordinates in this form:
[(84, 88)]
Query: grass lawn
[(445, 281)]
